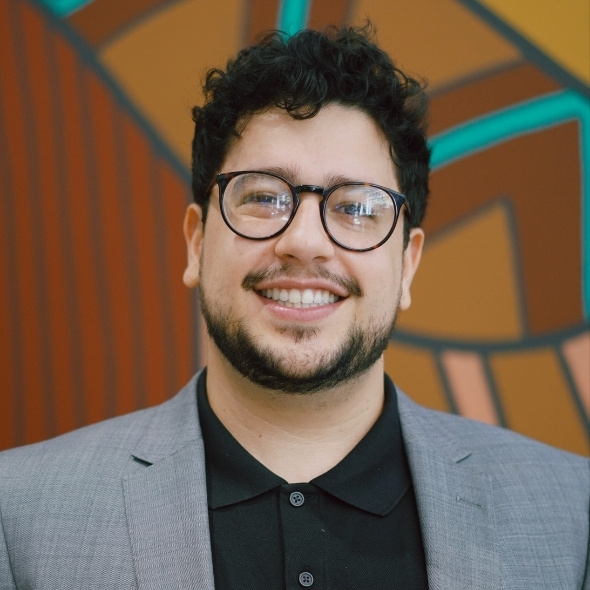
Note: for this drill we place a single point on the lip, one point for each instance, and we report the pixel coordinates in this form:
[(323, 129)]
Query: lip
[(298, 314)]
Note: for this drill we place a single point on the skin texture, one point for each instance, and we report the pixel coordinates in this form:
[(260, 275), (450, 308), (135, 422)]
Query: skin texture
[(277, 425)]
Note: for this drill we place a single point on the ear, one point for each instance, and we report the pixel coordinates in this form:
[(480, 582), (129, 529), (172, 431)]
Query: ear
[(411, 260), (193, 235)]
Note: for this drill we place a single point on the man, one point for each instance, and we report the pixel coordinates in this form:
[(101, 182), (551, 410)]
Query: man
[(292, 461)]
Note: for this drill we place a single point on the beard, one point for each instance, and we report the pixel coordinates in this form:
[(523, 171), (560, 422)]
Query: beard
[(309, 372)]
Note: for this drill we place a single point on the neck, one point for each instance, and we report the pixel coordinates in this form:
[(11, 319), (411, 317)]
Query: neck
[(297, 437)]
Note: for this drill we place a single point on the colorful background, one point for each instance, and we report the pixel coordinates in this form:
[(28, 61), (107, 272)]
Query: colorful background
[(95, 132)]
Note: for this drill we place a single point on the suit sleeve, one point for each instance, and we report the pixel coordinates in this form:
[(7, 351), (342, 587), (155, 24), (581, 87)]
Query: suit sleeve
[(6, 578)]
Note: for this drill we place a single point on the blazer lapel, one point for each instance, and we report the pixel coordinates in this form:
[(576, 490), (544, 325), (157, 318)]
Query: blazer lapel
[(454, 503), (166, 501)]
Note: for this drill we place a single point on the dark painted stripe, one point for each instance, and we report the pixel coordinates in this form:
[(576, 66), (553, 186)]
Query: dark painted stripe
[(488, 346), (39, 273), (528, 49), (447, 389), (14, 362)]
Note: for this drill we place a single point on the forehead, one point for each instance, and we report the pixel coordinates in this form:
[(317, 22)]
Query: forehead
[(339, 142)]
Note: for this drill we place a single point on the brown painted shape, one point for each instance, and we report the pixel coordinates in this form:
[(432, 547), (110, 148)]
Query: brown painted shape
[(491, 92), (335, 12), (540, 173), (100, 20), (95, 318), (260, 16)]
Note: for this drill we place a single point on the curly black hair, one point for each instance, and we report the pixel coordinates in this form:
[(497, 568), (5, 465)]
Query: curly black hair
[(301, 74)]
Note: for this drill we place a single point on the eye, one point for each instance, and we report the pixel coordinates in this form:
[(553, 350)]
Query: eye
[(264, 203), (355, 209), (260, 198)]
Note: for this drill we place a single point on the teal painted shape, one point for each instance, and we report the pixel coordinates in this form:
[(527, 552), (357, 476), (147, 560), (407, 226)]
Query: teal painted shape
[(293, 15), (65, 7), (527, 117)]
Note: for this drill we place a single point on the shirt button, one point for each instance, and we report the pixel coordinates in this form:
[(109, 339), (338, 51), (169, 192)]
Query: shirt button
[(305, 579), (296, 498)]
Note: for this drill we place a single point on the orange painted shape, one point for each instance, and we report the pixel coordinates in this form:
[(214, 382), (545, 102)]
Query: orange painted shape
[(466, 376), (414, 370), (577, 355), (536, 398), (161, 61), (442, 40), (466, 287), (560, 29)]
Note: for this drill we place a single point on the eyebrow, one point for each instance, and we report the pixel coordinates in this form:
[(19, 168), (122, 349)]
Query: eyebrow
[(292, 174)]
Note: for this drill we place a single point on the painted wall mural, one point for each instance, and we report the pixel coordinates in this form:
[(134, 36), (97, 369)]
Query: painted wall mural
[(95, 133)]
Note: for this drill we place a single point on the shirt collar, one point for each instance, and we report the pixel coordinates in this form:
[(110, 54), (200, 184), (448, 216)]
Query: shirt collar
[(373, 476)]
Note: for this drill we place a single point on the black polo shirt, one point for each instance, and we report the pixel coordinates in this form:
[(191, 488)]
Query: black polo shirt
[(356, 526)]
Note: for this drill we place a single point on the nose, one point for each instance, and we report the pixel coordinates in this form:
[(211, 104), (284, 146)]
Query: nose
[(305, 239)]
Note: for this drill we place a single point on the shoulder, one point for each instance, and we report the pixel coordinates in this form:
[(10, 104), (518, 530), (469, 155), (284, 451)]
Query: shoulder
[(497, 451), (103, 448)]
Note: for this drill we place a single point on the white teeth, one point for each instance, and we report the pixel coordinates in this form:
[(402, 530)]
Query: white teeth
[(297, 298), (307, 296)]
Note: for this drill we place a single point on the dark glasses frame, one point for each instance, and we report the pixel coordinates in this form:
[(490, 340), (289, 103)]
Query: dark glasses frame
[(398, 199)]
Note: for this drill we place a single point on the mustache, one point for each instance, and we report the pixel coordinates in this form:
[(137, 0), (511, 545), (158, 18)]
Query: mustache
[(289, 271)]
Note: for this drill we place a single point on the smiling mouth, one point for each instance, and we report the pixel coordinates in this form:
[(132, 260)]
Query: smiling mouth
[(300, 298)]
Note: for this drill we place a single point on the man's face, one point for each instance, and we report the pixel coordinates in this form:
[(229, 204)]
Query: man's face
[(356, 294)]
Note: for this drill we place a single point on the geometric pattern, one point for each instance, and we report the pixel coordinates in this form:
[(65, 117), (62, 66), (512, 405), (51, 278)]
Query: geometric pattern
[(95, 104)]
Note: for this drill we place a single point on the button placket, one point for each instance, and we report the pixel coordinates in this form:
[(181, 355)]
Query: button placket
[(303, 536)]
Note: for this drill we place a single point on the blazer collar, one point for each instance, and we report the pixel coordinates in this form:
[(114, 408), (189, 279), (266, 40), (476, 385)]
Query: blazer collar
[(165, 496), (454, 503)]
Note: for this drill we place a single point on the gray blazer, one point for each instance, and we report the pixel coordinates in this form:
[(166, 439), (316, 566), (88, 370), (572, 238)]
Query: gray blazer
[(123, 504)]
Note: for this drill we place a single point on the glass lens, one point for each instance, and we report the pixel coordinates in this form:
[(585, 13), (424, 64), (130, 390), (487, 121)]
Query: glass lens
[(360, 216), (257, 205)]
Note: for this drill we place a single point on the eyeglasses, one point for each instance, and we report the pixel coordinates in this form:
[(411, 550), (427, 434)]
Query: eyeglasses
[(357, 216)]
